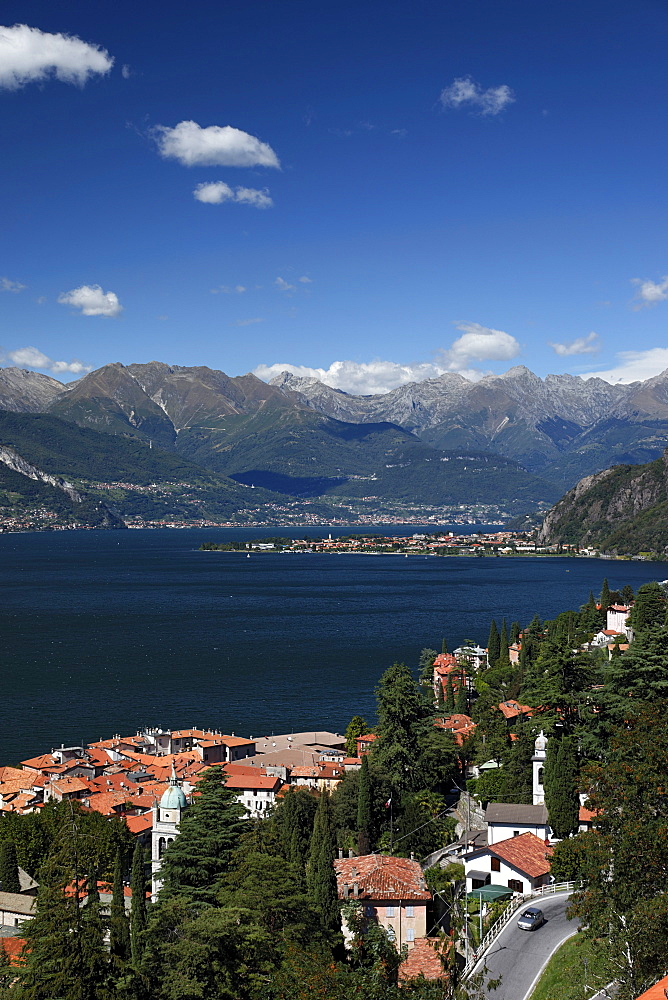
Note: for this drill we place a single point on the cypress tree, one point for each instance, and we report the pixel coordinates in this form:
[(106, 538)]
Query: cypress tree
[(503, 654), (605, 595), (138, 910), (9, 867), (197, 860), (627, 593), (561, 797), (493, 644), (515, 630), (364, 799), (320, 874), (119, 932), (444, 646), (449, 697), (93, 952), (293, 822), (461, 701)]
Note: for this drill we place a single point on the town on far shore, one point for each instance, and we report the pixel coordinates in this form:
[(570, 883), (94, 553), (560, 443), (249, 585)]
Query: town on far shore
[(442, 543)]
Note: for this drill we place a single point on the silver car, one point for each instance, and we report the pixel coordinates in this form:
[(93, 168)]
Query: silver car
[(530, 919)]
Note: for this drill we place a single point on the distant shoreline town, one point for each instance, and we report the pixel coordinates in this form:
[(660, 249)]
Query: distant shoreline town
[(499, 544)]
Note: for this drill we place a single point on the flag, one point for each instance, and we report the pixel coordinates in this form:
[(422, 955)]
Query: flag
[(388, 803)]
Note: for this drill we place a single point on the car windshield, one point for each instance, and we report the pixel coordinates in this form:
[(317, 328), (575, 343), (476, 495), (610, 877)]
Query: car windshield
[(530, 913)]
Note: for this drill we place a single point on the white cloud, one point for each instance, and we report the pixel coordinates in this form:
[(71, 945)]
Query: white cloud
[(650, 293), (28, 55), (358, 378), (228, 290), (92, 301), (7, 285), (126, 72), (305, 281), (217, 192), (634, 366), (581, 345), (213, 146), (31, 357), (284, 286), (465, 92), (478, 343), (249, 322)]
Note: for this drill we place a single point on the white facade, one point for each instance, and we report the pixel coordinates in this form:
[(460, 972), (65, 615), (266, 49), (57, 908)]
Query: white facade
[(497, 871), (616, 618), (166, 821), (497, 832)]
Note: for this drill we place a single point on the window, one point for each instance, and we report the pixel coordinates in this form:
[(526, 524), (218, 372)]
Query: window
[(410, 911), (389, 911), (410, 934), (540, 775), (495, 864), (515, 885), (516, 833)]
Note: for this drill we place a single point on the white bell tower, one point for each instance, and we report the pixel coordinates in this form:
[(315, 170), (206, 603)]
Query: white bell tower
[(538, 762), (166, 820)]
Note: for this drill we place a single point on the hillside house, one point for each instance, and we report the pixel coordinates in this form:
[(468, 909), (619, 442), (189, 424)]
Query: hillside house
[(522, 863), (508, 819), (616, 620), (391, 891)]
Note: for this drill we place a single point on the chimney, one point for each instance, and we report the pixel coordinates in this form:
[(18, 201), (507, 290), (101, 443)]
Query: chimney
[(346, 890), (340, 853), (356, 889), (350, 853)]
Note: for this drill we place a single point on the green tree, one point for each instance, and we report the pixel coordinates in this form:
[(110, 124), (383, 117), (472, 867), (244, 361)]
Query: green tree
[(444, 646), (639, 675), (9, 867), (138, 908), (274, 891), (426, 667), (320, 874), (625, 856), (358, 726), (449, 696), (364, 806), (93, 929), (213, 953), (461, 699), (518, 771), (503, 642), (515, 630), (119, 931), (293, 821), (199, 857), (493, 644), (400, 712), (561, 787), (627, 593), (605, 595), (649, 610)]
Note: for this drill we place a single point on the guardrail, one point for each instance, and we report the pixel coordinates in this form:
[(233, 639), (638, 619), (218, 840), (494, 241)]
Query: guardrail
[(513, 906)]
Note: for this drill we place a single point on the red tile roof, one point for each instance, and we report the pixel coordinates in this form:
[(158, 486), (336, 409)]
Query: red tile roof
[(656, 992), (380, 876), (139, 824), (13, 946), (425, 959), (528, 853), (511, 709), (255, 781)]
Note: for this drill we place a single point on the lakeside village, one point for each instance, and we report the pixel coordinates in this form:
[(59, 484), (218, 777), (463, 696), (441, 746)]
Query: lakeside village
[(488, 543), (482, 784)]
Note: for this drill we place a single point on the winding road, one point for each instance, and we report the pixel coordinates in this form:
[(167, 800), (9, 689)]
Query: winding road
[(519, 957)]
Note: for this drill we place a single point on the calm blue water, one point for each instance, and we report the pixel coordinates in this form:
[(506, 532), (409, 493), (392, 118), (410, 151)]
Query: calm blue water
[(103, 632)]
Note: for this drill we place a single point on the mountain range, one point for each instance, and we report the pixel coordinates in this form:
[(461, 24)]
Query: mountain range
[(514, 440)]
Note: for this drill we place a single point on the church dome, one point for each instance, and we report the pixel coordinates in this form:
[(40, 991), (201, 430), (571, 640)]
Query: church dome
[(173, 798)]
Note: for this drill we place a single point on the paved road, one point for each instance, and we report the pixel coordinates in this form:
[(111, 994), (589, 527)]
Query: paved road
[(519, 956)]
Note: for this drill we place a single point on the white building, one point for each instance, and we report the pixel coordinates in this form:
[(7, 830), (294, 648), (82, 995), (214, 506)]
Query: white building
[(508, 819), (521, 863), (616, 618)]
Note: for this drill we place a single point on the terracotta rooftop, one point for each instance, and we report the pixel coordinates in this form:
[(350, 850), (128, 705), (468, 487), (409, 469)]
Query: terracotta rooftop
[(656, 992), (254, 781), (511, 709), (424, 959), (380, 876), (527, 853)]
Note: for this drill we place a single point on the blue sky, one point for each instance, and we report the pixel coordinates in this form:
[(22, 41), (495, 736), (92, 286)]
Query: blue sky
[(369, 191)]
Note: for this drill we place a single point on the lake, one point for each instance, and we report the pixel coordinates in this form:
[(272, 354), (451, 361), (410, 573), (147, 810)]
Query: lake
[(106, 631)]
